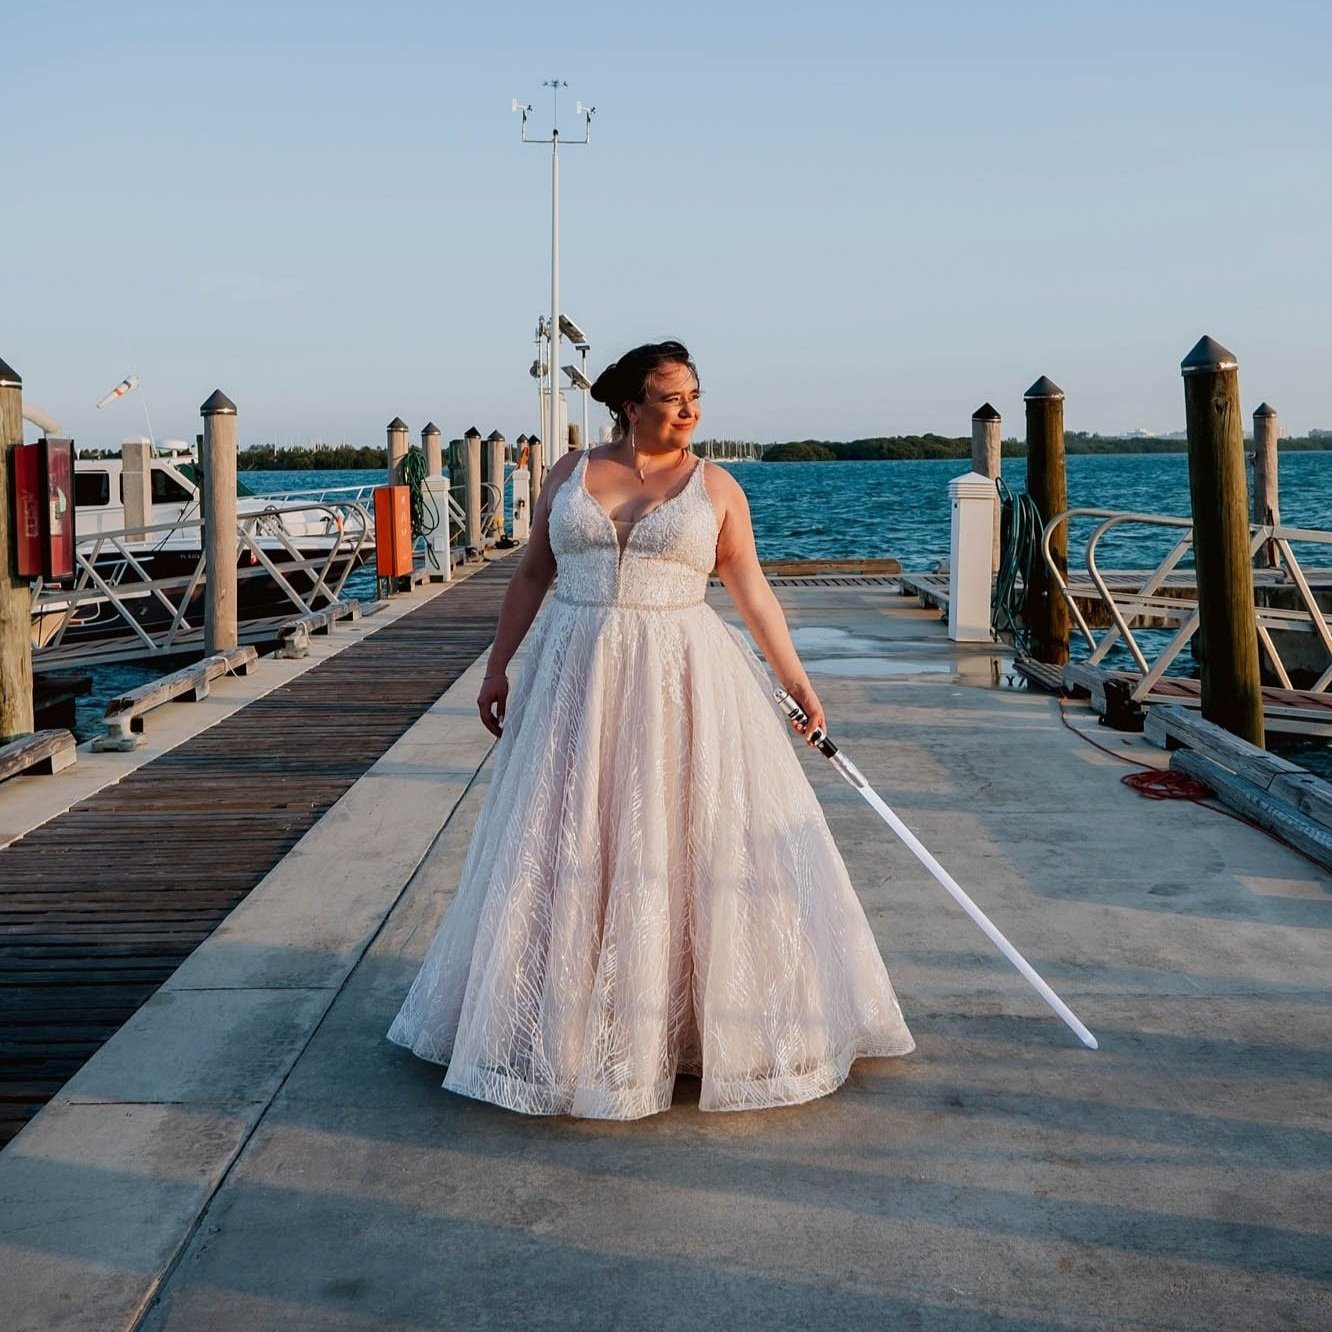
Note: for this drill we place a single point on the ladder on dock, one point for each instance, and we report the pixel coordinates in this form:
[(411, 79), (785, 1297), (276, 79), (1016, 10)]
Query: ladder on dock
[(120, 609), (1166, 597)]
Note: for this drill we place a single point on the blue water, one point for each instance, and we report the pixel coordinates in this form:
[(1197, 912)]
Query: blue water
[(859, 510), (901, 509)]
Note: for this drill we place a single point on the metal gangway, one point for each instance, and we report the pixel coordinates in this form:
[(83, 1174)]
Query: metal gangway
[(1165, 597), (293, 559)]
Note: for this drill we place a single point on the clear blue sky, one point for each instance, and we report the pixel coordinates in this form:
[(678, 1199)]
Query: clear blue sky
[(862, 218)]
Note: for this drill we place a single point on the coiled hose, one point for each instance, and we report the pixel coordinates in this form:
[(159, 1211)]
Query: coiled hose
[(1019, 548), (424, 510)]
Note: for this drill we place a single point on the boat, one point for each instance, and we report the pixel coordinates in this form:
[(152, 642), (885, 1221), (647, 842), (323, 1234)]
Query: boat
[(295, 550)]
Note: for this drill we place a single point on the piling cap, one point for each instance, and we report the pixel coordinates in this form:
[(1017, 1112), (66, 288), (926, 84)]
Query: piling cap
[(9, 377), (1044, 387), (1264, 409), (495, 437), (218, 405), (522, 439), (397, 424), (1207, 357), (472, 433), (430, 428), (985, 413), (534, 439)]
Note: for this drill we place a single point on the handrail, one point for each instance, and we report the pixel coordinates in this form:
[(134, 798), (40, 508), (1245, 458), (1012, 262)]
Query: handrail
[(105, 561), (1117, 603)]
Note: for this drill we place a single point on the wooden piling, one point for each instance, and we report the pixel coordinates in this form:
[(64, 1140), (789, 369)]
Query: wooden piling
[(575, 437), (1265, 506), (1045, 612), (472, 487), (136, 484), (15, 600), (536, 466), (397, 449), (497, 448), (986, 457), (433, 449), (1227, 630), (219, 508)]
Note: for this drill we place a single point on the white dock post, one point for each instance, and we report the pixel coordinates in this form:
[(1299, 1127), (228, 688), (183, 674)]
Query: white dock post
[(219, 473), (522, 503), (987, 457), (972, 498)]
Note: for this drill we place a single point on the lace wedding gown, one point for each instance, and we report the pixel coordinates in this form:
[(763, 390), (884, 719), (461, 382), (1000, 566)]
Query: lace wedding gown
[(651, 887)]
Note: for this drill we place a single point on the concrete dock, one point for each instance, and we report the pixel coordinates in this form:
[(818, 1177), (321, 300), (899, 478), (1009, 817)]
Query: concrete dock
[(249, 1151)]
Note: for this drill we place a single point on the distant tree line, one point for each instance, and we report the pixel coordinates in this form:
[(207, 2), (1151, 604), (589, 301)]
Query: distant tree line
[(311, 458), (889, 446)]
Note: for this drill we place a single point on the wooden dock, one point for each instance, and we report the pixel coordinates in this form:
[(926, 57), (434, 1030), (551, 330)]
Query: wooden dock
[(101, 904), (1296, 711), (1155, 612)]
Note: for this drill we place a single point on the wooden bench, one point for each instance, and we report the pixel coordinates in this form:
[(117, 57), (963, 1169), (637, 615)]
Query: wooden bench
[(42, 751), (125, 714), (294, 635)]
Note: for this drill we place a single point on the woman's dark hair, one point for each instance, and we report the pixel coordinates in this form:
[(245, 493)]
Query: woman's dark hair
[(626, 379)]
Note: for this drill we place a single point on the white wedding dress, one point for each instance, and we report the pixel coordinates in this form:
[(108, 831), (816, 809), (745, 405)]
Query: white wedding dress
[(651, 887)]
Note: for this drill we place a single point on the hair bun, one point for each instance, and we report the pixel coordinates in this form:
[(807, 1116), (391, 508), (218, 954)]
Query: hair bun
[(608, 387)]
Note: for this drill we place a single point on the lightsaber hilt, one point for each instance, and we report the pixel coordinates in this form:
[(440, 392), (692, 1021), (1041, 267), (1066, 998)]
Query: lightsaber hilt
[(798, 714)]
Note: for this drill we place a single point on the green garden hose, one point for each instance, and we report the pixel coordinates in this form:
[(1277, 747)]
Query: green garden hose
[(1019, 548)]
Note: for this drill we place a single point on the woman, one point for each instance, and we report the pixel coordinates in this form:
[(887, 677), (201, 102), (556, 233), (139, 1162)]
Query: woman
[(651, 887)]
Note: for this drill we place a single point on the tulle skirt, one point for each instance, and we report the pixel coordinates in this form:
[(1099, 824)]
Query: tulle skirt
[(651, 889)]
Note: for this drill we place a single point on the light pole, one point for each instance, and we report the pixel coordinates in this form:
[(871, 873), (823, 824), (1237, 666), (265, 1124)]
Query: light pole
[(587, 113)]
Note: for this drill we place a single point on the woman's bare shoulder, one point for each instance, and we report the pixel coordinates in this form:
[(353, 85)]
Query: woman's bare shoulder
[(723, 489), (562, 469)]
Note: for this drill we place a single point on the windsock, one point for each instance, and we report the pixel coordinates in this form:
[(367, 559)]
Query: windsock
[(127, 385)]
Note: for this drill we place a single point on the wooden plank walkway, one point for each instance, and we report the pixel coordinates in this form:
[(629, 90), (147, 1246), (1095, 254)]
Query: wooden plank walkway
[(101, 904)]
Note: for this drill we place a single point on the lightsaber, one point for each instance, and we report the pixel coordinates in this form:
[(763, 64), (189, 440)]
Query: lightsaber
[(991, 931)]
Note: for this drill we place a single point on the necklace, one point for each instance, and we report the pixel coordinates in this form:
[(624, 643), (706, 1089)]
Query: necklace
[(640, 469)]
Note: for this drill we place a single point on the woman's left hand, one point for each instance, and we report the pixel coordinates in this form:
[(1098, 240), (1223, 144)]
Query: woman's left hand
[(804, 694)]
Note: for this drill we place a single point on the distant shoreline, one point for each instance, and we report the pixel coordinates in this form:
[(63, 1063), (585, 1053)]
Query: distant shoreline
[(906, 448), (888, 448)]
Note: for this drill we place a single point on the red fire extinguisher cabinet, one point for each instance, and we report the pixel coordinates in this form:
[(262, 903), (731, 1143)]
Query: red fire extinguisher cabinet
[(43, 489)]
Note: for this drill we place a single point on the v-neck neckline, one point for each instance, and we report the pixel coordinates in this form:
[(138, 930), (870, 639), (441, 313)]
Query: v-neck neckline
[(623, 546)]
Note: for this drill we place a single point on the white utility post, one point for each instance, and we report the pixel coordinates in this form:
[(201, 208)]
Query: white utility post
[(969, 571)]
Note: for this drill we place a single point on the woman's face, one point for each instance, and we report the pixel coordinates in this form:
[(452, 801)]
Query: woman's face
[(669, 411)]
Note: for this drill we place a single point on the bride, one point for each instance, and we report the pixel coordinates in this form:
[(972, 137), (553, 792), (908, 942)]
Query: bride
[(651, 888)]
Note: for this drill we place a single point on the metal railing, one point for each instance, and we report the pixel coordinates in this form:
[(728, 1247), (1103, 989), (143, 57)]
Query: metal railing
[(303, 551), (1151, 598)]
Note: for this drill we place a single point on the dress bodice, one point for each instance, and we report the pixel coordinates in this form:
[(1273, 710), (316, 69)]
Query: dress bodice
[(666, 559)]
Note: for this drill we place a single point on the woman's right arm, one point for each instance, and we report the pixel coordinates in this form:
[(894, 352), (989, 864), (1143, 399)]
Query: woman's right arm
[(527, 589)]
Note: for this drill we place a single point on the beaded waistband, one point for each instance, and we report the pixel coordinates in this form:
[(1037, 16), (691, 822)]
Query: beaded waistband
[(626, 605)]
